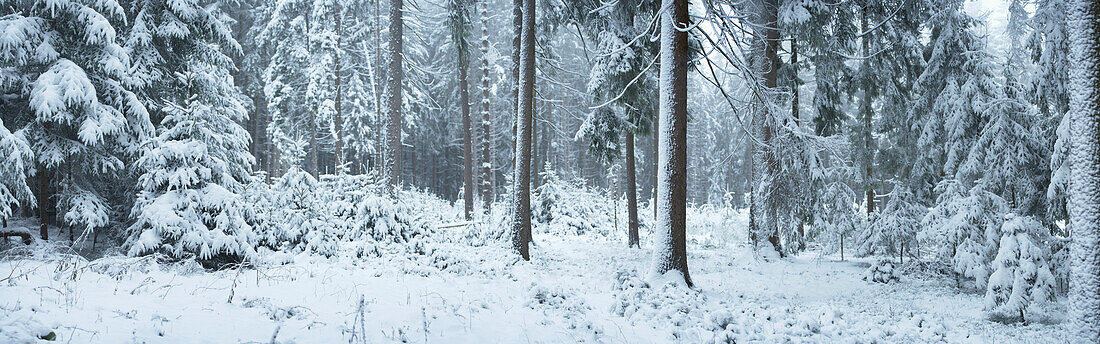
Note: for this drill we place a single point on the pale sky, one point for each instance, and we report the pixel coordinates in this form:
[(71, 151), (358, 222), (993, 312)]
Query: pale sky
[(995, 14)]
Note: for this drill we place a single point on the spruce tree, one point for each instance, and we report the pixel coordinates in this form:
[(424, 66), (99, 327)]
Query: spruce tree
[(70, 91), (192, 171)]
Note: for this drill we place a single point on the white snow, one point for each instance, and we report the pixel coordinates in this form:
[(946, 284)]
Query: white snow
[(576, 288)]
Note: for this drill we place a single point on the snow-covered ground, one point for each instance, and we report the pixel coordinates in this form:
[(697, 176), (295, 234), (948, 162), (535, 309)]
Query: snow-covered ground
[(575, 289)]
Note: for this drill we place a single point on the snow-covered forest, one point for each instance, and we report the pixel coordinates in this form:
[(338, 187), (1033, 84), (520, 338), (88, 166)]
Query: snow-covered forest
[(550, 171)]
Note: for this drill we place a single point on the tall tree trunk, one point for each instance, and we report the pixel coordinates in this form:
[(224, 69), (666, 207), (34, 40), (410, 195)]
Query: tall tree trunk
[(536, 167), (1084, 195), (517, 29), (376, 165), (865, 114), (750, 159), (263, 148), (770, 25), (338, 118), (654, 159), (631, 194), (486, 163), (544, 145), (521, 225), (313, 167), (397, 75), (795, 113), (467, 142), (43, 201), (671, 251)]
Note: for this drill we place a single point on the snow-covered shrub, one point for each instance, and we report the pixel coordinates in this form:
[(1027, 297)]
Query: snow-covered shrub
[(1060, 263), (895, 228), (340, 215), (836, 220), (207, 223), (1021, 273), (494, 227), (384, 220), (569, 208), (882, 271), (22, 324), (927, 269), (257, 197), (297, 218), (714, 226), (965, 228), (668, 303)]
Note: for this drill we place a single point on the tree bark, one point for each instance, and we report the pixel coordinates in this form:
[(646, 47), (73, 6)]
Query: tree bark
[(1084, 193), (313, 144), (631, 194), (770, 20), (338, 118), (670, 255), (313, 167), (795, 114), (397, 75), (467, 142), (521, 224), (517, 29), (750, 159), (865, 114), (486, 162), (43, 201), (655, 158), (535, 166)]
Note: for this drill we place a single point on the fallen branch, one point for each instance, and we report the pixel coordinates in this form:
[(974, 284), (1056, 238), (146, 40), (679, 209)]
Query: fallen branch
[(460, 224)]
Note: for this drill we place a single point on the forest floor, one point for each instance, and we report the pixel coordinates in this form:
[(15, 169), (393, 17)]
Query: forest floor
[(575, 289)]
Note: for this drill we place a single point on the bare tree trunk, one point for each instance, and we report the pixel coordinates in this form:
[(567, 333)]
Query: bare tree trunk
[(313, 167), (656, 154), (1084, 193), (376, 165), (865, 113), (536, 167), (313, 145), (517, 29), (467, 142), (263, 148), (486, 163), (795, 113), (769, 18), (750, 158), (671, 251), (338, 119), (397, 75), (521, 225), (842, 247), (43, 201), (631, 194)]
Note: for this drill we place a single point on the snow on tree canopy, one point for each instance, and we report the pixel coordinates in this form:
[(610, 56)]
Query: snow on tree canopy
[(188, 203), (17, 158), (895, 227), (64, 88)]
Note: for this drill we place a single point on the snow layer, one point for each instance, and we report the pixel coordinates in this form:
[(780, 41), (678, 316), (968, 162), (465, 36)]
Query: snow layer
[(576, 288)]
